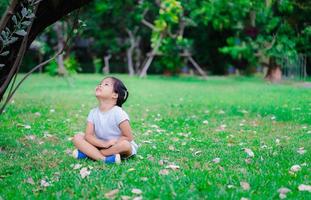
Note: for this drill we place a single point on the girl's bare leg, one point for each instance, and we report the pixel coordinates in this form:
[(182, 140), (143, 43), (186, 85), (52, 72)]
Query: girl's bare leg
[(122, 147), (87, 148)]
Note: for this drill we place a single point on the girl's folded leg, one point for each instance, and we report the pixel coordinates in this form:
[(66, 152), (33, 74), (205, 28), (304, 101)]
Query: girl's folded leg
[(85, 148)]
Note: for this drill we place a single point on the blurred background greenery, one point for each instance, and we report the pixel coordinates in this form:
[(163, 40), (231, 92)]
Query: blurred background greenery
[(221, 37)]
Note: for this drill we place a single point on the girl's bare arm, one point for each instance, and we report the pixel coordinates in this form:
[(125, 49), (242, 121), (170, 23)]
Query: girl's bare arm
[(126, 131), (91, 138)]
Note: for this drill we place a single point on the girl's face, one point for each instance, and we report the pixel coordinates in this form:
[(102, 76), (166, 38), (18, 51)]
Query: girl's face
[(105, 90)]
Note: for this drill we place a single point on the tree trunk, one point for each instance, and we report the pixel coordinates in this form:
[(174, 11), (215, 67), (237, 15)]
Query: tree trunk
[(47, 13), (274, 73), (60, 45), (150, 58), (106, 69), (197, 66), (138, 55), (147, 65), (129, 52)]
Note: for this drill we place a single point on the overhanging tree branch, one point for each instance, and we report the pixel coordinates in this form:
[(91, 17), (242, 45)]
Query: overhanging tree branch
[(12, 91), (46, 14)]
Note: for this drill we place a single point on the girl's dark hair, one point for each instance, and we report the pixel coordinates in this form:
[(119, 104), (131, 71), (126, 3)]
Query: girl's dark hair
[(120, 89)]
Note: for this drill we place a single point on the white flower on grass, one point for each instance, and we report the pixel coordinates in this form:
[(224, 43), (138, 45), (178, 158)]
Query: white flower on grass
[(84, 172), (205, 122)]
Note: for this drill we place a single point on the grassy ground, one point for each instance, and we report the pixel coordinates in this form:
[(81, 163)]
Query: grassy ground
[(205, 127)]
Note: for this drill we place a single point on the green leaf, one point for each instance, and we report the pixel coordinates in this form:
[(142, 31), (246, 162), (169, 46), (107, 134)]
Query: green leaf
[(26, 23), (21, 32), (14, 19), (5, 53), (12, 40), (7, 31), (24, 12), (31, 15), (3, 33)]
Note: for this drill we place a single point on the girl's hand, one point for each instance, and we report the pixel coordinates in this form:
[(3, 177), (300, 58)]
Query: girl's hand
[(110, 143)]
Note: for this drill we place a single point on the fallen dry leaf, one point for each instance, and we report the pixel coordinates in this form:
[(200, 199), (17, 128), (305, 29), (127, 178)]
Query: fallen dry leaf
[(245, 185), (30, 137), (27, 126), (84, 172), (125, 197), (295, 168), (282, 192), (221, 112), (37, 114), (301, 150), (171, 147), (111, 194), (303, 187), (77, 166), (163, 172), (277, 141), (137, 191), (249, 152), (44, 183), (144, 178), (173, 167), (131, 169), (30, 181), (216, 160), (197, 153)]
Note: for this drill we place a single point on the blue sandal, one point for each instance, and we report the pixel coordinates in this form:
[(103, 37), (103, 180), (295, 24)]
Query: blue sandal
[(79, 154), (116, 158)]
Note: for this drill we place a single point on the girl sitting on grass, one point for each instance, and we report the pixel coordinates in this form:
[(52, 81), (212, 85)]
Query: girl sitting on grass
[(108, 135)]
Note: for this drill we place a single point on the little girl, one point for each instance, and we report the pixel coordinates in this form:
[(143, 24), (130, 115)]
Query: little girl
[(108, 135)]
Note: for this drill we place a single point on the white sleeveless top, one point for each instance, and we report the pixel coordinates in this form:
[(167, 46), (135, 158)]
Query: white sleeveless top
[(106, 124)]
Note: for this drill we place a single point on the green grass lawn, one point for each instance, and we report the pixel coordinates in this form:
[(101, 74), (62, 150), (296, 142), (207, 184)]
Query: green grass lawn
[(205, 127)]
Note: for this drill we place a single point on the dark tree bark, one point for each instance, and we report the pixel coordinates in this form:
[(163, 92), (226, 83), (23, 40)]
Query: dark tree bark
[(46, 13)]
